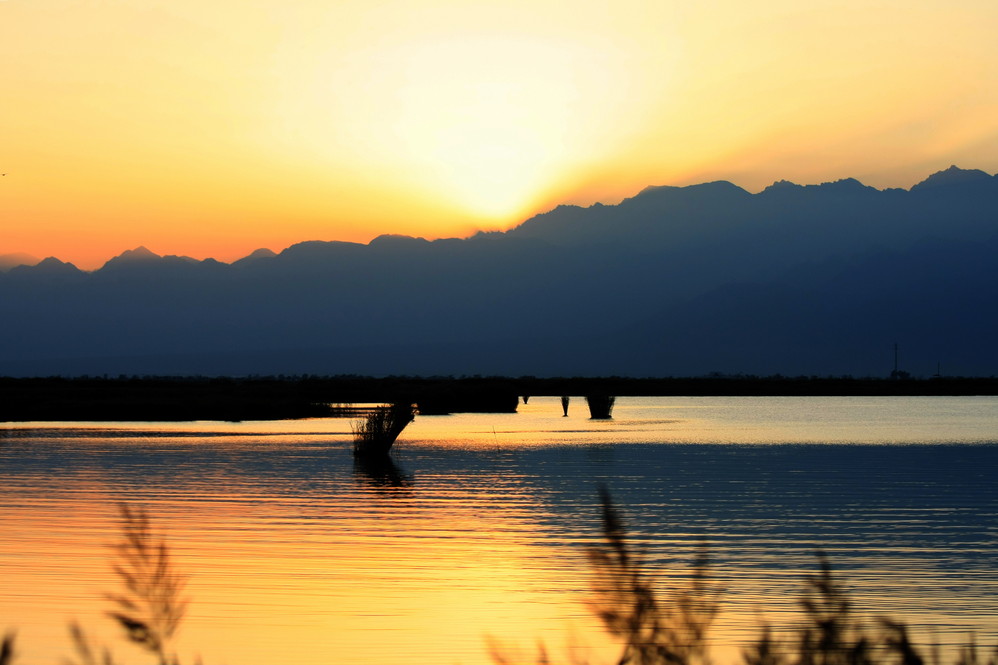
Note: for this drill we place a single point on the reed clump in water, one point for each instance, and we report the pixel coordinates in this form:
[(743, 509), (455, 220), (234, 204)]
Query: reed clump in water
[(377, 432), (600, 406)]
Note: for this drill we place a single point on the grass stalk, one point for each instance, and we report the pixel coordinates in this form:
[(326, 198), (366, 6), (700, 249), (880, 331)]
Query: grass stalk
[(656, 627), (150, 607)]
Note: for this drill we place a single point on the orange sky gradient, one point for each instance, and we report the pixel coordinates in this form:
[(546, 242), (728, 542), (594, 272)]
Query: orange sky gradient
[(212, 129)]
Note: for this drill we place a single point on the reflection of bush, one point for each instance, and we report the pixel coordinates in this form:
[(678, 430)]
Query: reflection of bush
[(375, 434), (652, 628), (380, 471)]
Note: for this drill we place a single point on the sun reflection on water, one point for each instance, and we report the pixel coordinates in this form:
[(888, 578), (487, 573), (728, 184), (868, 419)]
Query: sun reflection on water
[(478, 527)]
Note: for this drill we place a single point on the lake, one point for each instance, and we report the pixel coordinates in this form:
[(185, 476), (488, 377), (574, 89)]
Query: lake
[(478, 532)]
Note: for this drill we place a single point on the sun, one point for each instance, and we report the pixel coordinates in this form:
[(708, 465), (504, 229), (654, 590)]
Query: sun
[(484, 118), (490, 124), (489, 142)]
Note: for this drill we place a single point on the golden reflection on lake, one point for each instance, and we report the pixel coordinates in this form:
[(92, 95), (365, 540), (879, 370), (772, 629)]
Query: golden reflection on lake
[(274, 579), (764, 420), (479, 527)]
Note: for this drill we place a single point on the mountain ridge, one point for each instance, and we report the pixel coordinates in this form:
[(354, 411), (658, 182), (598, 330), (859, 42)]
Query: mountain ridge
[(812, 279), (651, 196)]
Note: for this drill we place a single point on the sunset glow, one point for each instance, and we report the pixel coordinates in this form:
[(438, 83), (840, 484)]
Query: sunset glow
[(212, 130)]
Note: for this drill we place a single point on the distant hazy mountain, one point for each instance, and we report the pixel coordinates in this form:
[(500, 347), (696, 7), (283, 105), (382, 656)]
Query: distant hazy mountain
[(8, 261), (815, 279)]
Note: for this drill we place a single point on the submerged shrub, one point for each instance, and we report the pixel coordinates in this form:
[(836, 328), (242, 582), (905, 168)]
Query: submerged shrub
[(600, 406), (377, 432)]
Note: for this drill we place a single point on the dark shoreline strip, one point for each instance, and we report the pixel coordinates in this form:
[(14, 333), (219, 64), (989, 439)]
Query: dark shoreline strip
[(273, 398)]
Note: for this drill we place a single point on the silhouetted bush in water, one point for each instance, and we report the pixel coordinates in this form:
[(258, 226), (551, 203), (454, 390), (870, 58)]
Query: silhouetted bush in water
[(375, 434), (600, 406)]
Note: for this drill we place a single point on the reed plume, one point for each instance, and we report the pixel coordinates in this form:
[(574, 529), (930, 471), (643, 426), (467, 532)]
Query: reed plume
[(653, 627), (151, 606), (671, 628), (831, 635), (87, 653), (655, 630)]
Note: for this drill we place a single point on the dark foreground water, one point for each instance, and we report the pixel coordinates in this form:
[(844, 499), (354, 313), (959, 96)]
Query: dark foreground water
[(479, 528)]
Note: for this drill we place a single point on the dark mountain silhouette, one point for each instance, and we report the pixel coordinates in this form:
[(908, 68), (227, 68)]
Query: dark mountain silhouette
[(255, 255), (137, 255), (46, 269), (954, 177), (797, 279)]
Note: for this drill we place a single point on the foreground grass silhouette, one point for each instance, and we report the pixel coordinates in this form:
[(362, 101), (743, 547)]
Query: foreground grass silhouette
[(670, 627), (653, 627), (150, 605)]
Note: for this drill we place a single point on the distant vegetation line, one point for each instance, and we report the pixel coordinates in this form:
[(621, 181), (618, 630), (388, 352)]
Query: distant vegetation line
[(281, 397)]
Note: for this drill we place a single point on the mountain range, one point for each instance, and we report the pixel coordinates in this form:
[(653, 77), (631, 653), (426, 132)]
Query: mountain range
[(675, 281)]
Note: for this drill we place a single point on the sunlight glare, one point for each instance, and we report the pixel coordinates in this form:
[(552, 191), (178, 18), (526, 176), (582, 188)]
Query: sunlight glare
[(486, 134), (492, 123)]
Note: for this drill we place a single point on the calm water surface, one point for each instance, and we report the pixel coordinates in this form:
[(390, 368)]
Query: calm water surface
[(479, 530)]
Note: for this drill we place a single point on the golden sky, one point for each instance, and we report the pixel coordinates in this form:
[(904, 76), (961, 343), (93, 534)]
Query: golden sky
[(214, 128)]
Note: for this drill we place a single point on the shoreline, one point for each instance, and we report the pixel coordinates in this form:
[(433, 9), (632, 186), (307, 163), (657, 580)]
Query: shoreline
[(279, 398)]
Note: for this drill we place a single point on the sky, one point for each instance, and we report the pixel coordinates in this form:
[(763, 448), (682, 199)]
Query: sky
[(213, 129)]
